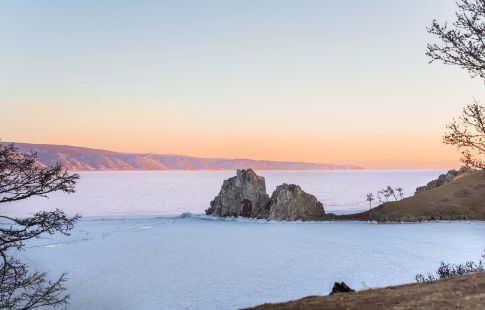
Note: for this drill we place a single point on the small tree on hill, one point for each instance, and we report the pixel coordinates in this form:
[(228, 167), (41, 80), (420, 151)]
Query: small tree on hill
[(391, 192), (386, 193), (21, 178), (400, 191), (370, 198), (379, 197)]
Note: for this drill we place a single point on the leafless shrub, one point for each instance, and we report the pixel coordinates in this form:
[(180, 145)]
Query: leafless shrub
[(449, 270)]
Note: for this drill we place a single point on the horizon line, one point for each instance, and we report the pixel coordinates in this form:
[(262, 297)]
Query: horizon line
[(368, 165)]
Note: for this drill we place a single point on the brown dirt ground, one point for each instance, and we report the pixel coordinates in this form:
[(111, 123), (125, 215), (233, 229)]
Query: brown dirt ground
[(465, 292)]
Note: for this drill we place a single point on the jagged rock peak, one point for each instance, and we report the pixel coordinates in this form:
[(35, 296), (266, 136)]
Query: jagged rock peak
[(441, 180), (242, 195)]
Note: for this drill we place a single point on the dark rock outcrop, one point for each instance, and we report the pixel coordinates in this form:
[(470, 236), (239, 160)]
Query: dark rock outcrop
[(442, 179), (289, 202), (341, 288), (242, 195), (245, 195)]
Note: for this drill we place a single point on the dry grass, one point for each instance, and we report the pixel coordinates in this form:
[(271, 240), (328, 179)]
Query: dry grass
[(465, 292), (461, 199)]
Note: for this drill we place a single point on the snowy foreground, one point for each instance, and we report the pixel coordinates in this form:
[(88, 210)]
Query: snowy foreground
[(196, 262)]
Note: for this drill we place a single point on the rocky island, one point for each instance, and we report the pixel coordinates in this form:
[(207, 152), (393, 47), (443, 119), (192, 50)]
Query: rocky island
[(245, 195), (456, 195)]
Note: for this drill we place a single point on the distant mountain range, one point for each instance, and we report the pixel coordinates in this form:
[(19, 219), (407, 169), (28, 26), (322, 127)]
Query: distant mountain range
[(81, 158)]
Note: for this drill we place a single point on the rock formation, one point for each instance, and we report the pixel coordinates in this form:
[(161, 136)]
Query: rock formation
[(341, 288), (442, 179), (289, 202), (245, 195), (242, 195)]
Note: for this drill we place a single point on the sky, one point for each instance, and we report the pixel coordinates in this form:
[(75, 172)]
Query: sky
[(319, 81)]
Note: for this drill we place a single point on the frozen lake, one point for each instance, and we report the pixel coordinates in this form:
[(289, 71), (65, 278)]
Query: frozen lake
[(176, 192), (199, 263), (129, 253)]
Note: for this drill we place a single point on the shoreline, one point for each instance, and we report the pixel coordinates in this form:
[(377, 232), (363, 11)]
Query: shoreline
[(462, 292), (201, 216)]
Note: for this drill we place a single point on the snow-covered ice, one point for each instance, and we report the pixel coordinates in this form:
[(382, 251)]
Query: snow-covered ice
[(174, 192), (200, 263), (126, 253)]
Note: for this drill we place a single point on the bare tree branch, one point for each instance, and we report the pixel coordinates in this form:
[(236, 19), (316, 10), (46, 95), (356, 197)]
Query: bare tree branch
[(462, 44), (21, 178), (468, 134)]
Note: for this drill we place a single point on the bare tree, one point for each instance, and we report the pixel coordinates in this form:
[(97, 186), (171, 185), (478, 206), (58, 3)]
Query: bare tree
[(463, 43), (386, 193), (370, 198), (468, 134), (391, 192), (379, 197), (400, 191), (21, 178)]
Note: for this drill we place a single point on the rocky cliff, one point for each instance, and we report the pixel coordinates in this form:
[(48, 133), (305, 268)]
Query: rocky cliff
[(289, 202), (242, 195), (245, 195), (441, 180)]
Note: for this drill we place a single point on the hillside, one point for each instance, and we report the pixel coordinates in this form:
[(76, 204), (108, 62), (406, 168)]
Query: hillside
[(461, 198), (465, 292), (80, 158)]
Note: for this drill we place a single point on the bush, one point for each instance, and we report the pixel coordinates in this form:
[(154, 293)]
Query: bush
[(449, 270)]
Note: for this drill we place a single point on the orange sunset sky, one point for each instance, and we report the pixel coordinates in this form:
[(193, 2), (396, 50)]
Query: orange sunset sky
[(317, 81)]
